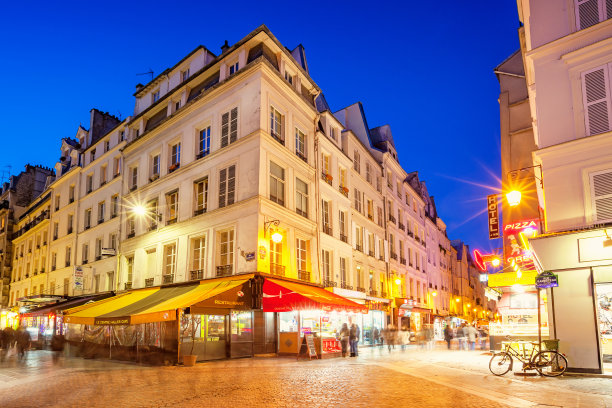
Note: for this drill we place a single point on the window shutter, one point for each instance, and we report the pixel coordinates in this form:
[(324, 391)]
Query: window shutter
[(222, 187), (231, 185), (587, 13), (366, 241), (224, 129), (376, 247), (353, 234), (601, 195), (596, 99), (234, 125), (386, 249)]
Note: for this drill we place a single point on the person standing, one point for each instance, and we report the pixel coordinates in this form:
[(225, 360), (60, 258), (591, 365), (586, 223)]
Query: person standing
[(472, 334), (57, 345), (448, 335), (461, 336), (354, 339), (23, 341), (344, 338)]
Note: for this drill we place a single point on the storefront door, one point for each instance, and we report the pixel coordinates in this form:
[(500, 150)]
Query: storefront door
[(604, 313), (210, 336)]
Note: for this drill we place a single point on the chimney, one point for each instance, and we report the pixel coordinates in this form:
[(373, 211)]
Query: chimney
[(224, 47), (139, 87)]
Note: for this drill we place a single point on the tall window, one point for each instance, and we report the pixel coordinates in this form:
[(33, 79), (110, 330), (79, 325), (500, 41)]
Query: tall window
[(175, 156), (591, 12), (204, 142), (155, 167), (53, 261), (380, 216), (233, 68), (276, 256), (226, 247), (200, 191), (101, 211), (359, 238), (98, 248), (155, 96), (70, 224), (71, 194), (300, 144), (227, 186), (68, 256), (326, 217), (87, 220), (229, 127), (368, 173), (130, 227), (277, 183), (152, 209), (85, 254), (370, 209), (185, 75), (112, 241), (356, 162), (129, 268), (326, 164), (169, 259), (102, 175), (342, 221), (371, 244), (301, 197), (116, 166), (596, 86), (326, 263), (301, 254), (343, 277), (198, 246), (276, 125), (342, 173), (134, 178), (358, 202), (172, 206), (114, 205), (89, 183)]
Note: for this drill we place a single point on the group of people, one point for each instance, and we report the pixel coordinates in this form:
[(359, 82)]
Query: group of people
[(467, 336), (10, 340), (349, 339)]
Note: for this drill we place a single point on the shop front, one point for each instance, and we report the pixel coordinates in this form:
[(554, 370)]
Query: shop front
[(303, 309), (211, 319), (9, 318)]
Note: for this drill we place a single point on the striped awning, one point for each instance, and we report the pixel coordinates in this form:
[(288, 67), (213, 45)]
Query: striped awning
[(155, 304)]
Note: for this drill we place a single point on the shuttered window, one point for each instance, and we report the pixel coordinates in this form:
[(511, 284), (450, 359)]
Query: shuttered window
[(596, 99), (227, 186), (591, 12), (601, 195), (229, 127)]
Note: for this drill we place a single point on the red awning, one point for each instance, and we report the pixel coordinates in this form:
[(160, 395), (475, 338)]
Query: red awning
[(281, 296)]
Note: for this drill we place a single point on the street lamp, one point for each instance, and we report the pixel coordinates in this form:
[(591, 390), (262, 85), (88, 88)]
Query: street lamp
[(513, 198)]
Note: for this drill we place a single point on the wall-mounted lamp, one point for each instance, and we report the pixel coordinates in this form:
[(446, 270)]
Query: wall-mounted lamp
[(276, 236)]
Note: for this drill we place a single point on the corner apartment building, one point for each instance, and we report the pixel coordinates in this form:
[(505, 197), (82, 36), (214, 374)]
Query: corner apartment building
[(568, 60)]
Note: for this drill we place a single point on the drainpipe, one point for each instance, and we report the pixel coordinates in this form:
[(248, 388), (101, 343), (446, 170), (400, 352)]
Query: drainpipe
[(317, 189)]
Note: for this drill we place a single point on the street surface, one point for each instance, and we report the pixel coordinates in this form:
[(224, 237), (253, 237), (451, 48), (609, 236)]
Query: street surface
[(377, 378)]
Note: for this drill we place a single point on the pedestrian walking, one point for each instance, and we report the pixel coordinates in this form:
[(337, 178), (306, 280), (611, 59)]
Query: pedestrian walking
[(57, 345), (23, 340), (472, 334), (461, 337), (354, 339), (429, 337), (448, 335), (375, 336), (344, 338)]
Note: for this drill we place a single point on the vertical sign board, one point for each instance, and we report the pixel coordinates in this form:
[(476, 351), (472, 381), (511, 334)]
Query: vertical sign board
[(78, 278), (492, 208)]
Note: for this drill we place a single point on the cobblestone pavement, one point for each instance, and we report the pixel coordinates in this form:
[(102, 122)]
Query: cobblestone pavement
[(376, 378)]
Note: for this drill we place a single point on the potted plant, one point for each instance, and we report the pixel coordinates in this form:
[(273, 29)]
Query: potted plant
[(193, 325)]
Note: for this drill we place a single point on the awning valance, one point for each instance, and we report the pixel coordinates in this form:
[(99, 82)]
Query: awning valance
[(154, 304), (66, 304), (282, 296)]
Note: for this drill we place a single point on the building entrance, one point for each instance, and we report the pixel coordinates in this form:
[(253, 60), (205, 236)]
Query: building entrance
[(604, 314)]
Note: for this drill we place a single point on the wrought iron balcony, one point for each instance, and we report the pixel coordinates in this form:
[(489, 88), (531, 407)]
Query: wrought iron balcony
[(127, 285), (197, 274), (359, 247), (327, 178), (371, 253), (403, 261), (360, 289), (343, 237), (373, 292), (391, 218), (344, 190), (304, 275), (301, 156), (383, 294), (402, 226), (329, 283), (276, 269), (225, 270), (393, 255), (345, 285), (327, 229), (168, 278), (149, 282)]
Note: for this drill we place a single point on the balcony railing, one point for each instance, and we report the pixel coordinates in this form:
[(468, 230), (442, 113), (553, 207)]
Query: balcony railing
[(373, 292), (345, 285), (199, 212), (329, 283), (197, 274), (403, 261), (301, 156), (393, 255), (127, 285), (371, 217), (168, 278), (131, 234), (381, 258), (149, 282), (383, 294), (276, 269), (225, 270), (278, 138), (327, 229), (392, 219), (359, 247), (304, 275), (344, 190), (371, 253), (360, 289), (402, 226), (173, 167), (327, 178), (171, 221), (343, 237)]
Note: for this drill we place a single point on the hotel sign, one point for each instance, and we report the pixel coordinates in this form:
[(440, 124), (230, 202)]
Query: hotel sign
[(492, 208)]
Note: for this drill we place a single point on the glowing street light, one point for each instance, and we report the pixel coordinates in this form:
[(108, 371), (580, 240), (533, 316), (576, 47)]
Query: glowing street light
[(457, 300), (513, 198), (277, 237), (398, 281), (139, 210), (495, 262), (434, 293)]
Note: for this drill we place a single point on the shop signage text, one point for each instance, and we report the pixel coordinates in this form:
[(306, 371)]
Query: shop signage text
[(492, 208), (511, 278), (546, 280), (515, 235), (78, 278)]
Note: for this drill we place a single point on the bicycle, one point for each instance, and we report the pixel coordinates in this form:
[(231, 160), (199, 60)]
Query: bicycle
[(549, 363)]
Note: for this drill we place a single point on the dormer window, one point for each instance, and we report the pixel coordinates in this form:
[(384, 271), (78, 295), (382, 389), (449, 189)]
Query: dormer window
[(93, 154), (289, 77), (185, 75), (233, 68), (156, 96), (122, 136), (106, 146)]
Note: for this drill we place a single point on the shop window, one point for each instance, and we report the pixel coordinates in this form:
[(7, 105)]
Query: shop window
[(241, 326)]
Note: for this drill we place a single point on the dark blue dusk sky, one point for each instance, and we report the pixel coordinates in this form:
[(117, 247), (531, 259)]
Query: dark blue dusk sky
[(425, 68)]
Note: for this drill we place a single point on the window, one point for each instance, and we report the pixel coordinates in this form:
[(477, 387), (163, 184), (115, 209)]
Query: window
[(332, 133), (370, 209), (342, 223), (130, 227), (301, 255), (70, 223), (204, 142), (233, 68), (71, 194), (326, 263), (399, 189), (97, 283), (185, 75), (68, 255), (601, 195), (300, 144), (114, 205), (134, 178), (129, 268), (122, 136), (358, 200), (98, 248), (356, 163), (112, 241), (343, 277), (101, 211), (169, 259), (155, 167), (371, 245), (343, 183), (326, 166), (591, 12), (87, 219), (288, 77), (229, 127), (66, 286), (155, 96), (89, 183), (301, 197), (200, 192), (380, 216), (53, 261), (175, 157), (116, 166), (171, 207), (93, 155), (85, 254), (368, 173), (277, 183), (102, 175), (596, 99), (57, 202), (277, 122), (227, 186), (359, 238), (226, 247), (106, 146), (177, 105), (326, 217), (276, 257), (198, 246)]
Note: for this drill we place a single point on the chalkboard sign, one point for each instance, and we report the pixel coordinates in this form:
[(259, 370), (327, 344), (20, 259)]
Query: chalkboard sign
[(308, 347)]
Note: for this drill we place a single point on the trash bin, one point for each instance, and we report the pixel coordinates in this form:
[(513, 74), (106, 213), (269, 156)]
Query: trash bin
[(551, 344)]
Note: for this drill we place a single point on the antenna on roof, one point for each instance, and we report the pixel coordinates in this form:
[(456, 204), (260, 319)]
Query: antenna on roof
[(149, 72), (5, 174)]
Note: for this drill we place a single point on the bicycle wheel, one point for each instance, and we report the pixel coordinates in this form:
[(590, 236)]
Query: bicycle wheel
[(500, 363), (550, 363)]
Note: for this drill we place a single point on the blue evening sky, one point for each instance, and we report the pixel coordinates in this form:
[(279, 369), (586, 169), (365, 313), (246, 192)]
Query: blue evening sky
[(424, 67)]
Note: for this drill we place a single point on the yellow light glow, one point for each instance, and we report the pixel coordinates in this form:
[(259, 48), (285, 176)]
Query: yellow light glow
[(139, 210), (469, 305), (519, 274), (513, 198), (495, 262), (277, 237), (457, 300), (398, 281), (474, 309), (434, 294)]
